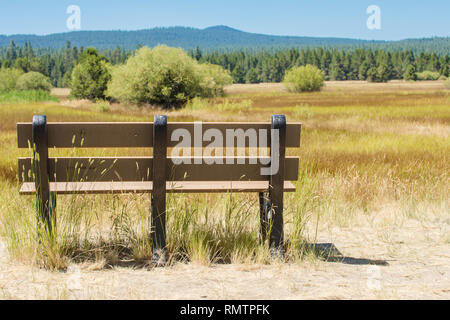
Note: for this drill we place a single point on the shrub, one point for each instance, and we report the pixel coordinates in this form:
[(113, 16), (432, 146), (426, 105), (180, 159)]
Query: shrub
[(8, 78), (90, 76), (304, 79), (212, 80), (428, 75), (33, 81), (165, 76)]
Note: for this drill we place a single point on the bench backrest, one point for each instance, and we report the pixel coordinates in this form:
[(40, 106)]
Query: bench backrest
[(160, 136)]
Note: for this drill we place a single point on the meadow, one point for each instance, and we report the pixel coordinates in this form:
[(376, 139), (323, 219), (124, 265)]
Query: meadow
[(373, 158)]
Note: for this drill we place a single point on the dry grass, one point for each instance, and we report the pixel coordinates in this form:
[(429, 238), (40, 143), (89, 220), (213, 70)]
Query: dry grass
[(372, 155), (394, 85)]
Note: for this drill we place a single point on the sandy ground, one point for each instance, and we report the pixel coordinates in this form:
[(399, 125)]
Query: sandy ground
[(407, 260), (380, 256)]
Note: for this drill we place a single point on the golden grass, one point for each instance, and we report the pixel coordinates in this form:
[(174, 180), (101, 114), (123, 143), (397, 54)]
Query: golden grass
[(365, 148)]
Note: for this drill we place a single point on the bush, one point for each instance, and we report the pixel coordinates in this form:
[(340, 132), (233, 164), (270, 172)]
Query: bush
[(165, 76), (90, 76), (428, 75), (8, 78), (33, 81), (304, 79), (212, 80)]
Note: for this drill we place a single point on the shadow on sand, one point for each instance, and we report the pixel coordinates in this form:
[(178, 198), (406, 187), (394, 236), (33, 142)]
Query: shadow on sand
[(330, 253)]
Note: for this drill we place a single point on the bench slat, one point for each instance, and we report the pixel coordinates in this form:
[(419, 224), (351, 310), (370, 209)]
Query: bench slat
[(134, 135), (140, 169), (147, 186)]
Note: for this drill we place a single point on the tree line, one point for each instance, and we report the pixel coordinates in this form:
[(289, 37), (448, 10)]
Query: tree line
[(249, 66), (56, 64), (376, 65)]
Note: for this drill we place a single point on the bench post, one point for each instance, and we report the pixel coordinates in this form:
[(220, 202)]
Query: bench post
[(262, 216), (264, 207), (158, 200), (44, 205), (276, 185)]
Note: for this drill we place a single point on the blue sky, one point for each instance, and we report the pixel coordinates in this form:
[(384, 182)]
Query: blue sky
[(338, 18)]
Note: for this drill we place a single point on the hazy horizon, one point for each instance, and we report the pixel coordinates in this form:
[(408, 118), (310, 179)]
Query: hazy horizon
[(168, 27), (328, 19)]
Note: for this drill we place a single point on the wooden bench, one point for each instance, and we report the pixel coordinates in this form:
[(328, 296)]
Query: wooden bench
[(47, 177)]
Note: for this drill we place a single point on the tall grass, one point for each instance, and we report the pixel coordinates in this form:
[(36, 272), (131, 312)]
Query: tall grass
[(364, 155), (26, 96), (115, 228), (225, 105)]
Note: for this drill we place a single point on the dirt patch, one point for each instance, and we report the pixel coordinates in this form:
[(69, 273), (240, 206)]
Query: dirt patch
[(407, 260)]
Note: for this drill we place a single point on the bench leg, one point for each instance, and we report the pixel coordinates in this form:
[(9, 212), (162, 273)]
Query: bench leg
[(159, 229), (46, 214), (276, 185), (263, 217), (271, 219), (53, 212), (158, 223), (44, 201), (275, 221)]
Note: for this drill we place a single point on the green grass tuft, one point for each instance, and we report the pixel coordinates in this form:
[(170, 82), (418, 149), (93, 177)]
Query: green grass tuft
[(26, 96)]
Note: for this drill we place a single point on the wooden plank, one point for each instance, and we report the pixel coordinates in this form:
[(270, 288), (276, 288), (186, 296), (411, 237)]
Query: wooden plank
[(66, 188), (92, 169), (140, 169), (136, 134)]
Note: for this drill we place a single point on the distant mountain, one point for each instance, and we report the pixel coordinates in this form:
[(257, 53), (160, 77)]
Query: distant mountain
[(218, 37)]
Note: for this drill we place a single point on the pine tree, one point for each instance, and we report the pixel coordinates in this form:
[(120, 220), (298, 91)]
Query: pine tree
[(336, 70), (444, 63), (252, 76), (238, 74), (410, 73), (90, 77), (371, 75), (11, 53), (197, 54)]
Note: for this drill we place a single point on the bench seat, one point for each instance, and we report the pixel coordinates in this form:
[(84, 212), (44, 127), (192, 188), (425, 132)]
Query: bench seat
[(28, 188)]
